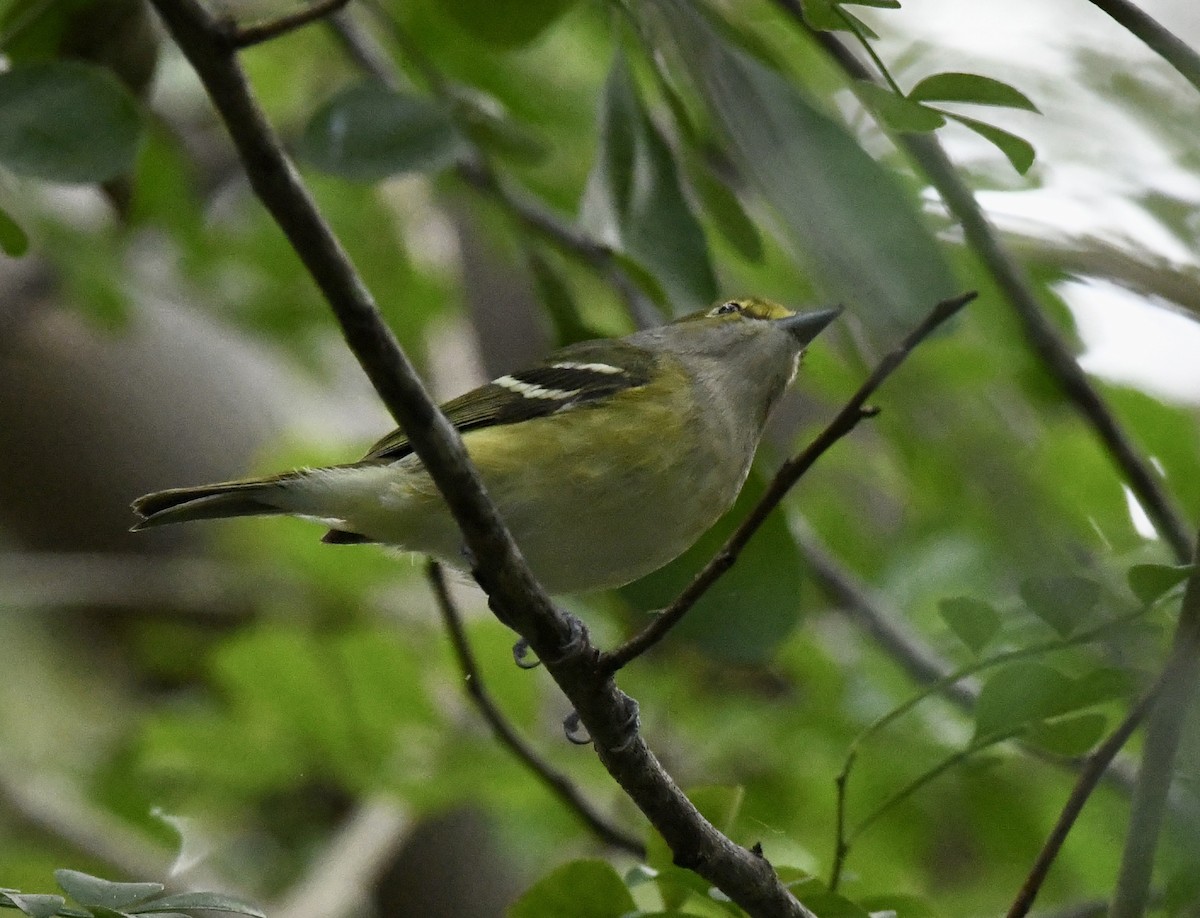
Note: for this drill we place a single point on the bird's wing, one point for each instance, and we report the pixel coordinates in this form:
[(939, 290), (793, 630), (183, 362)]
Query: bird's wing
[(582, 373)]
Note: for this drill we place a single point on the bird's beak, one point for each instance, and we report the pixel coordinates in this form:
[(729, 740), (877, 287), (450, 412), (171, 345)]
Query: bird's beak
[(804, 326)]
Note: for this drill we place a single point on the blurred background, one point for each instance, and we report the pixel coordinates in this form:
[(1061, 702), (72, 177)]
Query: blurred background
[(240, 707)]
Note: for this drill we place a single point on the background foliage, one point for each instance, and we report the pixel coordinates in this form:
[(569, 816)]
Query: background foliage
[(508, 177)]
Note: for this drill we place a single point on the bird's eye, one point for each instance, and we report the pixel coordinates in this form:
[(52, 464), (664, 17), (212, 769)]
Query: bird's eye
[(726, 308)]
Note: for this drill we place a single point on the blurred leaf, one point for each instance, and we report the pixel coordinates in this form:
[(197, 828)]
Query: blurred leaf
[(719, 804), (728, 215), (103, 911), (1027, 693), (1065, 603), (556, 297), (1150, 581), (818, 898), (861, 233), (484, 119), (634, 202), (969, 87), (973, 621), (66, 122), (1019, 151), (829, 15), (897, 112), (35, 905), (903, 906), (13, 240), (1018, 694), (763, 586), (580, 889), (212, 901), (368, 132), (1069, 736), (88, 890), (505, 23)]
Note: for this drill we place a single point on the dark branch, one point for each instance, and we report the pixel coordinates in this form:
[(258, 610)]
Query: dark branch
[(1163, 733), (845, 421), (1158, 39), (259, 32), (1041, 334), (606, 712), (1093, 770), (558, 783)]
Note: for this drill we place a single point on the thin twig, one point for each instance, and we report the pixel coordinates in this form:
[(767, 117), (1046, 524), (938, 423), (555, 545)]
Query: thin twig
[(476, 171), (787, 476), (1041, 334), (1093, 770), (1163, 733), (842, 841), (558, 783), (1157, 38), (259, 32)]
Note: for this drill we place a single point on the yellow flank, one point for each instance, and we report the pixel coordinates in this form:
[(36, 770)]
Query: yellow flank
[(562, 468)]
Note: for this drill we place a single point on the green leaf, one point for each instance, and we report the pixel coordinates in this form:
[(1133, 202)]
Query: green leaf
[(719, 804), (764, 586), (14, 242), (1018, 695), (1069, 736), (970, 87), (559, 302), (89, 890), (580, 889), (903, 906), (973, 621), (103, 911), (818, 898), (634, 202), (213, 901), (897, 112), (1019, 151), (368, 132), (828, 15), (66, 121), (35, 905), (1150, 581), (1025, 693), (861, 233), (728, 215), (1063, 602), (505, 23)]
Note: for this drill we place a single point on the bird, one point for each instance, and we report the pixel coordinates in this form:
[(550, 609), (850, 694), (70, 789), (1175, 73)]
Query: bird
[(607, 459)]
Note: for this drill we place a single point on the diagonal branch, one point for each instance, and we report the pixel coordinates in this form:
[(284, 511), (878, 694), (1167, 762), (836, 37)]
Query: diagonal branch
[(560, 642), (1042, 336), (1155, 37), (787, 476), (1163, 734), (1093, 770), (558, 783), (259, 32)]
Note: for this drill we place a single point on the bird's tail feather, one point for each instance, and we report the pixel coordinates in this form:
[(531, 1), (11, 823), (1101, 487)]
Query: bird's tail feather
[(248, 497)]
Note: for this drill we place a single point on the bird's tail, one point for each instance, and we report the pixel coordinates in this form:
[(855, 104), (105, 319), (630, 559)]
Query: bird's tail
[(248, 497)]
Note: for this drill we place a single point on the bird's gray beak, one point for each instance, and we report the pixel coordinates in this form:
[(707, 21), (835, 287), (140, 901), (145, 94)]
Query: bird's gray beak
[(804, 326)]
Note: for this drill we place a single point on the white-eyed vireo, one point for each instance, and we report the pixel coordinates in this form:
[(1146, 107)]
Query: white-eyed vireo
[(606, 460)]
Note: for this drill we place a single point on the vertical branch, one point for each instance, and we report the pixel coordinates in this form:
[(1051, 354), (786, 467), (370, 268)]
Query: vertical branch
[(1179, 684), (1043, 338)]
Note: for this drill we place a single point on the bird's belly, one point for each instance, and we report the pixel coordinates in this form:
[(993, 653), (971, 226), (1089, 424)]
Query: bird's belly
[(590, 508)]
